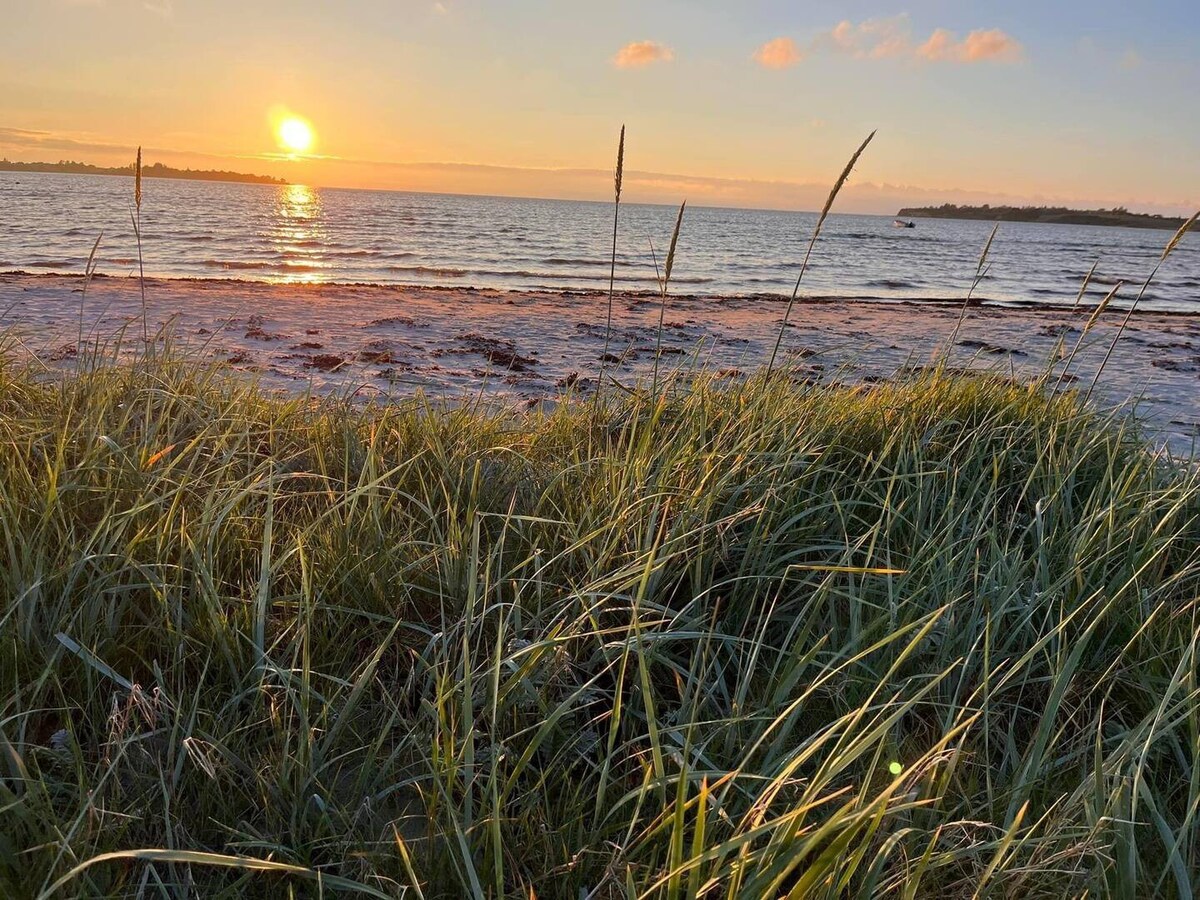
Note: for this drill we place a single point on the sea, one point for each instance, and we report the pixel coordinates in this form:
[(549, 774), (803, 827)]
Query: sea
[(295, 233)]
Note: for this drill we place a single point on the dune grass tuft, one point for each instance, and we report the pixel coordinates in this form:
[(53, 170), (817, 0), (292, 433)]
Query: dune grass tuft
[(931, 637)]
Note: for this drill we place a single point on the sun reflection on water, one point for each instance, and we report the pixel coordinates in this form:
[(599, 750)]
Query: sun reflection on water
[(298, 236)]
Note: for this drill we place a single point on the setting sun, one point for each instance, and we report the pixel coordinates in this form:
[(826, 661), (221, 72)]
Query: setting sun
[(295, 135)]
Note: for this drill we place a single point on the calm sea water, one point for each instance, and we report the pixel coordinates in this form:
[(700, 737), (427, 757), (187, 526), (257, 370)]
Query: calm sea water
[(294, 233)]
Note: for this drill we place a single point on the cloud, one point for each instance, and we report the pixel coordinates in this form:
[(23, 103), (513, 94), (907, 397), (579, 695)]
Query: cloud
[(872, 38), (940, 46), (892, 38), (992, 44), (642, 53), (780, 53), (981, 45)]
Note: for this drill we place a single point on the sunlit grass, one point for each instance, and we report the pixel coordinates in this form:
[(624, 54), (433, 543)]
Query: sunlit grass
[(930, 637)]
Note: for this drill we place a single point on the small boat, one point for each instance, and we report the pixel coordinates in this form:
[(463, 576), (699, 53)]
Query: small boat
[(900, 223)]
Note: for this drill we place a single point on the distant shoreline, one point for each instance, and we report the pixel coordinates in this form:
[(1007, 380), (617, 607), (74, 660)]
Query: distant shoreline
[(158, 170), (1045, 215)]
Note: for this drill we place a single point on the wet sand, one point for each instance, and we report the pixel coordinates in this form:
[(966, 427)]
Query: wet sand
[(528, 347)]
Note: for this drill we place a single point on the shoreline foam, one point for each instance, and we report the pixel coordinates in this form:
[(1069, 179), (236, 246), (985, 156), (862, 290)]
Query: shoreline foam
[(856, 297)]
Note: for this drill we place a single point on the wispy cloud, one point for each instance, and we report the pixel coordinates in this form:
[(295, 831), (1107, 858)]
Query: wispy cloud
[(164, 8), (23, 139), (51, 146), (642, 53), (570, 183), (667, 187), (781, 53)]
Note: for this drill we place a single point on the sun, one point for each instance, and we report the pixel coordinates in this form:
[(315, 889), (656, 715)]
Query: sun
[(295, 135)]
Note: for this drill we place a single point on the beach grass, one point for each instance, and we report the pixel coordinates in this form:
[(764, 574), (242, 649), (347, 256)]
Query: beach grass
[(933, 637)]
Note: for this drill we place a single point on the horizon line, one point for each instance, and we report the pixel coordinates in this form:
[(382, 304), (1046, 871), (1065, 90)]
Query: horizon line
[(541, 199)]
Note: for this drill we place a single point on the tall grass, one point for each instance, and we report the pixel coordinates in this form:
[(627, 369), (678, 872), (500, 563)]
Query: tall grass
[(89, 272), (981, 272), (1170, 248), (135, 216), (618, 174), (834, 191), (252, 644), (664, 286)]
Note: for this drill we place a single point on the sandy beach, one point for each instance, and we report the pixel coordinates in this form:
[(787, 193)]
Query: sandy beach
[(528, 347)]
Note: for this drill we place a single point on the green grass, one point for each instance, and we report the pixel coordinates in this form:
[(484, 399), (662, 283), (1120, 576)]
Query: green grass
[(636, 647)]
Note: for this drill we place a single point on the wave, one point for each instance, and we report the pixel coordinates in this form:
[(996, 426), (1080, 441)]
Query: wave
[(452, 272), (236, 264), (369, 254), (285, 265), (569, 261), (429, 270)]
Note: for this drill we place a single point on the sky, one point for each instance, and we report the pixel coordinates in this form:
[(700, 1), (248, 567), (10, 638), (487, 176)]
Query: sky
[(750, 103)]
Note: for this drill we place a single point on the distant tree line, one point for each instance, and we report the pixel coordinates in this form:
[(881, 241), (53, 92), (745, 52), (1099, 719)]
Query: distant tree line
[(1061, 215), (157, 170)]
